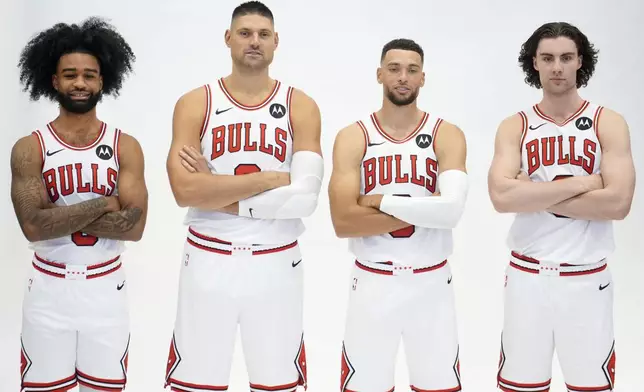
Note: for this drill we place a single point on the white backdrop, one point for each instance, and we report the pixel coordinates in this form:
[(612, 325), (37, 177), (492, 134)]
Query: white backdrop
[(331, 50)]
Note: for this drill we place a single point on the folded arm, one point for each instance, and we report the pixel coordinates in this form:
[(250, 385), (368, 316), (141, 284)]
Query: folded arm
[(444, 211), (509, 194), (299, 198), (204, 189), (38, 218), (129, 222), (349, 218), (613, 201)]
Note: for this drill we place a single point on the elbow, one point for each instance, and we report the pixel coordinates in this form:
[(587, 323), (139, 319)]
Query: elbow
[(183, 195), (341, 227), (31, 232), (500, 203), (621, 210)]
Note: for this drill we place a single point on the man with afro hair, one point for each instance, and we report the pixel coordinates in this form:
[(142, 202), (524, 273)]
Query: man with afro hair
[(79, 193)]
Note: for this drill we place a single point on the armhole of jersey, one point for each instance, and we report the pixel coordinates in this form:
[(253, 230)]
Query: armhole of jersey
[(116, 147), (206, 117), (41, 142), (366, 137), (439, 121), (524, 129), (598, 114), (289, 98)]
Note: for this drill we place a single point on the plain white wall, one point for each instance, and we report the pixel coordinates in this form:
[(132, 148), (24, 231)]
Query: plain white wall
[(331, 50)]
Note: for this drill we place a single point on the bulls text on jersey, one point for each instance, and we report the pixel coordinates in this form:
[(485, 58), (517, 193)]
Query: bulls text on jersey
[(551, 150), (380, 171), (229, 139), (70, 178)]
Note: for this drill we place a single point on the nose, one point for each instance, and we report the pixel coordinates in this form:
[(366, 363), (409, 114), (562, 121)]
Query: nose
[(557, 67), (79, 83), (254, 40)]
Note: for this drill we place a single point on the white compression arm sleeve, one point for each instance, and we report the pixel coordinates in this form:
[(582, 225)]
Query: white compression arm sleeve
[(296, 200), (437, 212)]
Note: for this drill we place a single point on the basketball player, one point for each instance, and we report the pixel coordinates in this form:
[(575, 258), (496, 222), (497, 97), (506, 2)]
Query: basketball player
[(564, 166), (79, 192), (398, 187), (246, 159)]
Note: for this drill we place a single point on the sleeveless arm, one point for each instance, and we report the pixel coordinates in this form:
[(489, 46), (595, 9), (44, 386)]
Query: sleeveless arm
[(444, 211), (38, 218), (509, 194), (201, 189), (128, 223), (613, 201), (349, 218), (300, 198)]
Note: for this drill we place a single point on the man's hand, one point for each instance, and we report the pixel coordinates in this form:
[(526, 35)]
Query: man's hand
[(193, 160)]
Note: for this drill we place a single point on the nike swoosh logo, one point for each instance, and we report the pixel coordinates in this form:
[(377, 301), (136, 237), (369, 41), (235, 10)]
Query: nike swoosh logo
[(221, 111), (537, 127), (250, 211), (120, 286), (55, 152), (603, 287), (374, 144), (449, 280), (295, 263)]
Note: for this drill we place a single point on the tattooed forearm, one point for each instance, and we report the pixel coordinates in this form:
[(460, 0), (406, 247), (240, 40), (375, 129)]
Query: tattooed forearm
[(115, 225), (44, 224)]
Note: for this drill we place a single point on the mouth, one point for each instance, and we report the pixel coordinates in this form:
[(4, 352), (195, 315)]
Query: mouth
[(402, 90), (255, 53), (79, 96)]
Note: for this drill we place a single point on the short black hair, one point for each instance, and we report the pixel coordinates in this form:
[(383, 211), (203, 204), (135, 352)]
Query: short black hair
[(585, 49), (253, 8), (94, 36), (403, 44)]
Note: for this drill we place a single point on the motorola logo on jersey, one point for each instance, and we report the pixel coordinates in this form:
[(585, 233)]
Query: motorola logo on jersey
[(393, 168), (423, 140), (583, 123), (74, 178), (277, 110), (104, 152), (554, 150), (237, 137)]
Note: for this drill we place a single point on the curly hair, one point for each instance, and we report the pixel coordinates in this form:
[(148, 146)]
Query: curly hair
[(39, 58), (585, 49)]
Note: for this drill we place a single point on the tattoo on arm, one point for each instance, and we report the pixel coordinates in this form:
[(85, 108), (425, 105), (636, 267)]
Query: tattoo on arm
[(115, 225)]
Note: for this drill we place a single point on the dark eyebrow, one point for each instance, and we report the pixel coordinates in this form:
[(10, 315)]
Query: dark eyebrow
[(92, 70), (563, 54)]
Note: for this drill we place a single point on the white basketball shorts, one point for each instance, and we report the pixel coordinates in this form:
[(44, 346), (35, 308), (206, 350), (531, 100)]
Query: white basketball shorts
[(389, 302), (562, 307), (223, 286), (75, 327)]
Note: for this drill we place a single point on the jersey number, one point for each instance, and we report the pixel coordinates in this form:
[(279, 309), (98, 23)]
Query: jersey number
[(82, 239), (246, 168), (561, 177), (405, 232)]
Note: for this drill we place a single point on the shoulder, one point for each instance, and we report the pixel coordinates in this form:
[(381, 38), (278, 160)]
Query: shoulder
[(302, 103), (512, 126), (25, 152), (195, 98)]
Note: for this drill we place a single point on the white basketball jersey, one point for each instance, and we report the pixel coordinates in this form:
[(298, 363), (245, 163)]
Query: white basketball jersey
[(72, 175), (406, 167), (238, 139), (552, 151)]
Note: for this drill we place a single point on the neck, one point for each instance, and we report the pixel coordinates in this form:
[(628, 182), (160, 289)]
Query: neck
[(76, 123), (249, 82), (560, 106), (398, 118)]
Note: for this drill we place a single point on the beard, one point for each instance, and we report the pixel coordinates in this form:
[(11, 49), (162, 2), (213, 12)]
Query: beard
[(401, 101), (78, 107)]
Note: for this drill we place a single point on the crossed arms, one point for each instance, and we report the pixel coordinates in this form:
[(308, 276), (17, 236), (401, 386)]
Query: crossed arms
[(267, 194), (595, 197), (354, 215), (119, 217)]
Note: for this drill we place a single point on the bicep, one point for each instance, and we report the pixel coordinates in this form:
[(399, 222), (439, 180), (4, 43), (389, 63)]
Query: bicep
[(450, 148), (344, 185), (306, 123), (28, 192), (131, 182), (187, 121), (506, 161), (617, 168)]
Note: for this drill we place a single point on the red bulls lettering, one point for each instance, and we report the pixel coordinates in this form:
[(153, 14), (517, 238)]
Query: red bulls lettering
[(383, 170), (71, 178), (235, 137), (548, 151)]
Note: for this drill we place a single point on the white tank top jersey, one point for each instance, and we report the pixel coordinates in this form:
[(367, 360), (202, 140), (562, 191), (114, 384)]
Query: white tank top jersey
[(401, 167), (552, 151), (76, 174), (237, 139)]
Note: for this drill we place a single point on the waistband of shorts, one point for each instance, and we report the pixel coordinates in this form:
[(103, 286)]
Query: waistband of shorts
[(534, 266), (76, 271), (391, 268), (226, 248)]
